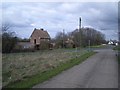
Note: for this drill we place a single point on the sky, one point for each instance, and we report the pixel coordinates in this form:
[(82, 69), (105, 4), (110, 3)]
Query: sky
[(56, 16)]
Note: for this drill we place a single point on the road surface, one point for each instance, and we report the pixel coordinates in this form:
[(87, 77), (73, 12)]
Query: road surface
[(98, 71)]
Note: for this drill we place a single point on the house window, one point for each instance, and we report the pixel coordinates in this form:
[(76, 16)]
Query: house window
[(34, 41)]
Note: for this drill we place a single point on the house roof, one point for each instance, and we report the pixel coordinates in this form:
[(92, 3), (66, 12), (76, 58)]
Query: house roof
[(40, 33)]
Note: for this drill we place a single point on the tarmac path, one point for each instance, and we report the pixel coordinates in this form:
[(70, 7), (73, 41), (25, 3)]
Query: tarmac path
[(98, 71)]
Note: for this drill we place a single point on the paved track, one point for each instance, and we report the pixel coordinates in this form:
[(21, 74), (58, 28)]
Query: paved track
[(98, 71)]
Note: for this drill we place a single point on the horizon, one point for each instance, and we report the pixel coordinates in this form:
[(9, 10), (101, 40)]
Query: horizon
[(56, 16)]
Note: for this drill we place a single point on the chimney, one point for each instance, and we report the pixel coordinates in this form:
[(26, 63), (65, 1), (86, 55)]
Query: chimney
[(42, 29), (35, 29)]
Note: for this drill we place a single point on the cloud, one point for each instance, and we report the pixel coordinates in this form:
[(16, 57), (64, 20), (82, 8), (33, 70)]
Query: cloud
[(32, 24), (55, 17)]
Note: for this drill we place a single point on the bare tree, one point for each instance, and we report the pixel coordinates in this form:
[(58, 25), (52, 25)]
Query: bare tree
[(8, 38), (6, 27)]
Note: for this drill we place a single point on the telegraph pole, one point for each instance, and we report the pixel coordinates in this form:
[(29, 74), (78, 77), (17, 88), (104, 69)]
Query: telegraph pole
[(89, 45), (79, 23), (79, 35), (80, 42), (63, 37)]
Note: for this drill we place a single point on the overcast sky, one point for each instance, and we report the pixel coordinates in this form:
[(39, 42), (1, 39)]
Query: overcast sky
[(55, 16)]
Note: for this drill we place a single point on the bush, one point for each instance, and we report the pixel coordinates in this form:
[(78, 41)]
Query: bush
[(8, 42), (44, 45)]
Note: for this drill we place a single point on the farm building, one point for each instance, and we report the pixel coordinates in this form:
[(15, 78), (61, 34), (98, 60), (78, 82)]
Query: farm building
[(25, 45), (69, 43), (40, 38)]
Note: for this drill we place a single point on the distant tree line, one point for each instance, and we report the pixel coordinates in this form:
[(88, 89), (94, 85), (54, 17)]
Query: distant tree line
[(76, 38), (23, 40), (81, 38)]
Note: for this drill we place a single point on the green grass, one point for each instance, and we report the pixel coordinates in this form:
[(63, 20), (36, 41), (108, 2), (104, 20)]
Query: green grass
[(18, 66), (117, 48), (119, 59), (39, 78), (97, 46)]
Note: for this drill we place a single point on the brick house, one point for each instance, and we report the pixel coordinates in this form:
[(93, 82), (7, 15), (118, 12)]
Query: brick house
[(40, 38)]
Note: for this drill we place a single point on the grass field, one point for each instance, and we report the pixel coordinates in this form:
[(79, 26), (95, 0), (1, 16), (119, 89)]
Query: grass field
[(28, 82), (19, 66)]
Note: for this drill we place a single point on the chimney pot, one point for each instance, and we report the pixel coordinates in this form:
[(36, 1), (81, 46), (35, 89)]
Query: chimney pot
[(42, 29)]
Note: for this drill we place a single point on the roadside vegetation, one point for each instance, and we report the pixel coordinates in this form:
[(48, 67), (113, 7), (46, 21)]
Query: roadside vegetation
[(97, 46), (23, 70), (117, 48)]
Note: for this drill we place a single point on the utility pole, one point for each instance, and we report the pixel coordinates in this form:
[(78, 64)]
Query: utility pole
[(63, 37), (79, 23), (79, 35), (80, 42), (89, 45)]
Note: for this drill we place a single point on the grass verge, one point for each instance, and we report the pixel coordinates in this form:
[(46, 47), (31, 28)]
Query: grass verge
[(29, 82), (97, 46), (117, 48), (119, 59)]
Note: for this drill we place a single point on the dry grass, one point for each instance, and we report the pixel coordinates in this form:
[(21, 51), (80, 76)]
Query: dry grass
[(18, 66)]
